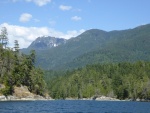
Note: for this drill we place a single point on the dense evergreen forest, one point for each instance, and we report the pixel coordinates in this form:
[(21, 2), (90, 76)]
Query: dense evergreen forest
[(120, 80), (18, 69)]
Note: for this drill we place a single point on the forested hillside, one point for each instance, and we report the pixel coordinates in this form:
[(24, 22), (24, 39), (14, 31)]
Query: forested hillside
[(18, 69), (97, 46), (129, 45), (120, 80), (57, 57)]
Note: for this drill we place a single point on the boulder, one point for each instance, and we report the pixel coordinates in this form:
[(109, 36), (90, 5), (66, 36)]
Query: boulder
[(104, 98), (22, 92), (3, 98)]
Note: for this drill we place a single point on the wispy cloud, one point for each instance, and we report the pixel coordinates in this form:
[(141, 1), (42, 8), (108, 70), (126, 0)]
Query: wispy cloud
[(39, 2), (65, 8), (25, 17), (26, 35), (76, 18)]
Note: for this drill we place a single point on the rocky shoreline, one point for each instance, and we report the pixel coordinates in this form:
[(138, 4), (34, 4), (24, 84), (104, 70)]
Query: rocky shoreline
[(105, 98), (14, 98), (23, 94), (38, 98), (99, 98)]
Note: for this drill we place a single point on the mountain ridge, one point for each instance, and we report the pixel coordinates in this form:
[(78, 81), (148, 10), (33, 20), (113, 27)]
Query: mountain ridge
[(98, 46)]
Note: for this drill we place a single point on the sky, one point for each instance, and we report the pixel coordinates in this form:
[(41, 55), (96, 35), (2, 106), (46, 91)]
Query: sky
[(26, 20)]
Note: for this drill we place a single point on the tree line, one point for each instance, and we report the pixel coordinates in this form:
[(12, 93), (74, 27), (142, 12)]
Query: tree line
[(18, 69), (123, 80)]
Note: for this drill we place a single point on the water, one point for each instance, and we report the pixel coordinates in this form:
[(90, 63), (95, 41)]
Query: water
[(75, 106)]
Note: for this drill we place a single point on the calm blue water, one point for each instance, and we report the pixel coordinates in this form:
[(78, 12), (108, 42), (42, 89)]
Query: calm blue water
[(78, 106)]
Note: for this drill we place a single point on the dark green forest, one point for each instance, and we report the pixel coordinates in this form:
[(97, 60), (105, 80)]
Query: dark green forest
[(18, 69), (118, 71), (120, 80)]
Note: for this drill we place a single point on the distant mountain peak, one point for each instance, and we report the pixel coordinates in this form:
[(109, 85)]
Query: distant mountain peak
[(93, 46), (46, 42)]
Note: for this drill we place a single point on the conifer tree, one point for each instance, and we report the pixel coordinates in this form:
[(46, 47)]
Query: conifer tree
[(16, 46), (3, 37)]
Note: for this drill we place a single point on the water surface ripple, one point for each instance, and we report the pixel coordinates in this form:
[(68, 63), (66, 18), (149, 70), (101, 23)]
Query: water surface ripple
[(75, 106)]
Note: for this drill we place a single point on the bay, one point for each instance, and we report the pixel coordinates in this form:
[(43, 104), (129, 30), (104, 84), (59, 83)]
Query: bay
[(74, 106)]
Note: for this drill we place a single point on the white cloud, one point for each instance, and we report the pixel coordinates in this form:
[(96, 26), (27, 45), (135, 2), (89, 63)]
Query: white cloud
[(26, 35), (76, 18), (39, 2), (73, 33), (25, 17), (65, 8)]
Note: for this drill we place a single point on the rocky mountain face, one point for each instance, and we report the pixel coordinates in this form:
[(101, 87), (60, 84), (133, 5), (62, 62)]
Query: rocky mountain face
[(46, 42)]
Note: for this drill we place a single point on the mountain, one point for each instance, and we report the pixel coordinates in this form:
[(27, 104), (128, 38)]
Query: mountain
[(74, 47), (97, 46), (127, 45), (46, 42)]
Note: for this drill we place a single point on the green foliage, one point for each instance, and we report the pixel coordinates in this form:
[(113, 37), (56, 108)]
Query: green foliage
[(38, 85), (18, 69), (121, 80), (7, 90)]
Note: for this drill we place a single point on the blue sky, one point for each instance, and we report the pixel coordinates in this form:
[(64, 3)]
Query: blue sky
[(25, 20)]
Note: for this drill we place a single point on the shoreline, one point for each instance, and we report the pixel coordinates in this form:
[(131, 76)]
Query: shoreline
[(14, 98), (40, 98)]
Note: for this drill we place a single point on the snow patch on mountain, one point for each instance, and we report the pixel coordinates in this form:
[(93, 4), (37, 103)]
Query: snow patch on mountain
[(46, 42)]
